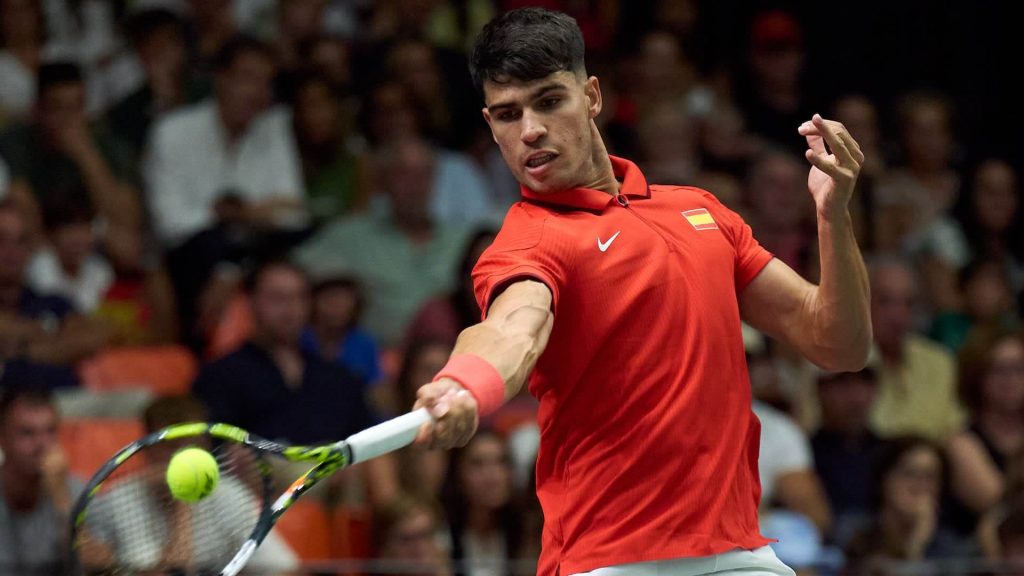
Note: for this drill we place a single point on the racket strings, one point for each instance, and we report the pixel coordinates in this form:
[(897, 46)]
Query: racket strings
[(133, 524)]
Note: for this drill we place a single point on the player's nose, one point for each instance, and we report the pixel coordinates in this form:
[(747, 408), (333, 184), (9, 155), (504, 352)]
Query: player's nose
[(532, 129)]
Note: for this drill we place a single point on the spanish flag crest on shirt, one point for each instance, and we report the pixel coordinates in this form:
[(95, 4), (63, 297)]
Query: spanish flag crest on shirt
[(700, 218)]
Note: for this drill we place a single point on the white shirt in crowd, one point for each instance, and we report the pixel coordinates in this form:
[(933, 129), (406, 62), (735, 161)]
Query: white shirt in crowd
[(784, 448), (190, 164), (85, 290)]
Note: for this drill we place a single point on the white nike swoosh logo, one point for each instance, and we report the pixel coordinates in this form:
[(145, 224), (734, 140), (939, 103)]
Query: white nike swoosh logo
[(602, 246)]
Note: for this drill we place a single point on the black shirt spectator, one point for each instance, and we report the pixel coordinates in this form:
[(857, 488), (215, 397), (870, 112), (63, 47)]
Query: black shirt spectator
[(246, 388)]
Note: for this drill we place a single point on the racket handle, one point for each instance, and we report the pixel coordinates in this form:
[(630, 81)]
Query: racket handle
[(387, 436)]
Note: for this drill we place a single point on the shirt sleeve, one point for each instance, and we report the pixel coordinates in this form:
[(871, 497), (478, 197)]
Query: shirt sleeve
[(751, 257), (518, 253)]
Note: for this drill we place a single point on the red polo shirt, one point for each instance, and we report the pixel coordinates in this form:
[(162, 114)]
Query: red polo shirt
[(648, 442)]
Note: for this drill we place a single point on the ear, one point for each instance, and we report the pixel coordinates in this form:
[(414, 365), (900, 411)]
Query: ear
[(592, 89)]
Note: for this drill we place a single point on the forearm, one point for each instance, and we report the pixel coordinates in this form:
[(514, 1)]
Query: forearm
[(840, 317), (113, 199), (511, 343)]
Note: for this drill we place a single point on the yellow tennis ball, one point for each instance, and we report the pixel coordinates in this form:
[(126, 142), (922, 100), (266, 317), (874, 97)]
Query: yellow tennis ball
[(192, 474)]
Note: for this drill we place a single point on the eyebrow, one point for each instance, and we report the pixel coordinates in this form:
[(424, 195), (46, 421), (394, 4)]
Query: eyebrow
[(537, 93)]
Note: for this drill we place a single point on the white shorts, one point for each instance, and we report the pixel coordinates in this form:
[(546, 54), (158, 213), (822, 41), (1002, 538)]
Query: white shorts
[(759, 562)]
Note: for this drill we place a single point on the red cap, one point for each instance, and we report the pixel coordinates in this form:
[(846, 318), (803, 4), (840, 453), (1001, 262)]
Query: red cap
[(775, 29)]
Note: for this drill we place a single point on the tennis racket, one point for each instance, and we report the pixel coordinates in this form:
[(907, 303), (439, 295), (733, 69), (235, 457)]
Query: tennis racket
[(127, 522)]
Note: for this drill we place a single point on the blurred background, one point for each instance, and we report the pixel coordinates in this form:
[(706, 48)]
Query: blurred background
[(265, 212)]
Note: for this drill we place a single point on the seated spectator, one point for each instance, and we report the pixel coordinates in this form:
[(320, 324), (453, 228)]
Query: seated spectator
[(270, 386), (421, 253), (908, 482), (992, 388), (914, 201), (69, 266), (993, 218), (333, 173), (916, 377), (781, 211), (407, 534), (334, 332), (114, 532), (233, 145), (41, 336), (224, 185), (36, 491), (444, 317), (485, 522), (273, 388), (58, 158), (987, 299), (786, 469), (158, 37), (420, 470), (845, 448)]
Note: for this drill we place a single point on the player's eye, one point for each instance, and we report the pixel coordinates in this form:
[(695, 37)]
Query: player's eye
[(508, 115), (549, 103)]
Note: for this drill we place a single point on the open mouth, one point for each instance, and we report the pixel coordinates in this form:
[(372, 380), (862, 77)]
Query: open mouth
[(539, 160)]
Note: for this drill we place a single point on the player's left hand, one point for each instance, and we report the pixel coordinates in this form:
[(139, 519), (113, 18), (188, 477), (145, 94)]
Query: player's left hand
[(833, 175), (455, 413)]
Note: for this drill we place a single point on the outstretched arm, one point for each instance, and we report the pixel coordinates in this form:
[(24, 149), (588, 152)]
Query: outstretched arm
[(830, 323), (510, 340)]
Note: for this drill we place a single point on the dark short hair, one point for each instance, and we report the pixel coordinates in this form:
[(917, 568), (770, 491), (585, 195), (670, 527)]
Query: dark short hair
[(170, 410), (255, 276), (526, 44), (141, 26), (30, 393), (237, 46), (889, 458), (55, 73)]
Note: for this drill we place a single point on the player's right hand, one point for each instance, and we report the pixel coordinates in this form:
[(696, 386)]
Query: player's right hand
[(455, 413)]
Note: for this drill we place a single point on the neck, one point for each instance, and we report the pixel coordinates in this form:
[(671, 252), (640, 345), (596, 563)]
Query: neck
[(480, 521), (233, 130), (602, 175), (21, 493)]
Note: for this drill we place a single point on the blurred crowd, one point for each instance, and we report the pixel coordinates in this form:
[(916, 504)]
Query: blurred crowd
[(271, 208)]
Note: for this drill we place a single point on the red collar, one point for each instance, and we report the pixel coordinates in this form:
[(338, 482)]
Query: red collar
[(634, 185)]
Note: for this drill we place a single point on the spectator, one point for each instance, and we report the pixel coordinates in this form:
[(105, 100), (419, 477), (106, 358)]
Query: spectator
[(58, 158), (994, 219), (270, 386), (915, 200), (273, 388), (40, 335), (158, 36), (113, 531), (916, 377), (782, 211), (421, 253), (406, 534), (987, 299), (908, 480), (444, 317), (786, 469), (332, 171), (860, 117), (69, 265), (334, 333), (486, 524), (992, 388), (298, 23), (421, 470), (233, 148), (775, 101), (36, 491), (845, 448), (331, 56)]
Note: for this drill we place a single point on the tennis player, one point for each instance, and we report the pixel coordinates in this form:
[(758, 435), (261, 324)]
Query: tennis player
[(620, 301)]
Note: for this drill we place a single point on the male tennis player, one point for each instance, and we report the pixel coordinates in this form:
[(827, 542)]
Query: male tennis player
[(621, 301)]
